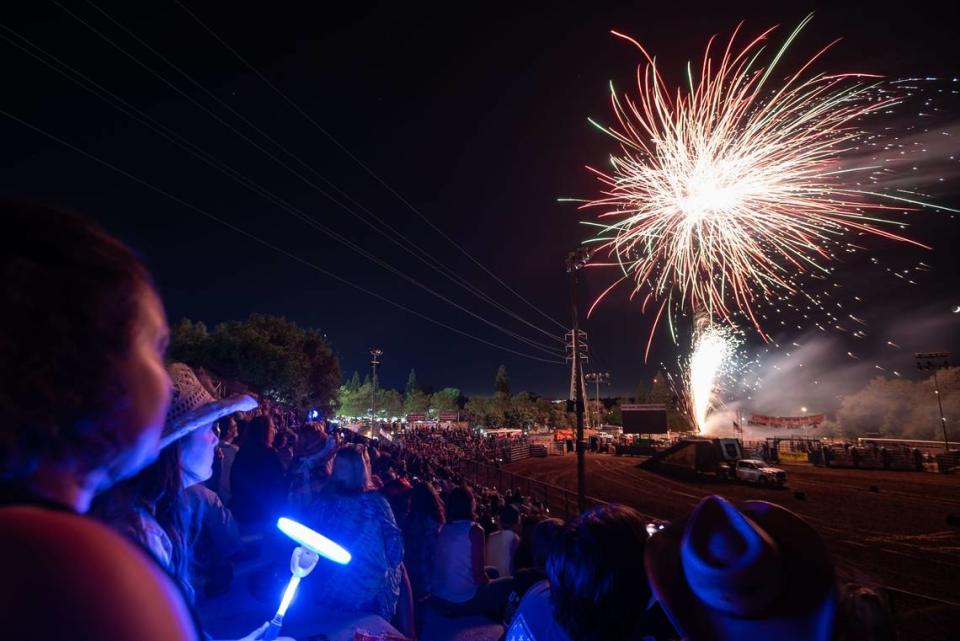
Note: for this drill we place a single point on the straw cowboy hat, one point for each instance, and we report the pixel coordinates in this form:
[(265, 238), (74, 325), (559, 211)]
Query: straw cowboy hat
[(756, 573), (193, 406)]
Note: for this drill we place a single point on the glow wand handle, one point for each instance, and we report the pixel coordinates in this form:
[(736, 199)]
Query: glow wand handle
[(273, 630)]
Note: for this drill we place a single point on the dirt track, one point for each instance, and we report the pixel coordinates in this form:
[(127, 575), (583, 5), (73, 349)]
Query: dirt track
[(897, 536)]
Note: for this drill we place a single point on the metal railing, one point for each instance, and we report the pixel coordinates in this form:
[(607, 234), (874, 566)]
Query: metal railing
[(560, 502)]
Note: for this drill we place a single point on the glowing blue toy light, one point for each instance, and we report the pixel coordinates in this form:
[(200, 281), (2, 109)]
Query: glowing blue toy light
[(312, 546), (313, 540)]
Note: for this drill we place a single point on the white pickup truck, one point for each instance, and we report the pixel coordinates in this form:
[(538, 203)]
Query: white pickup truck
[(757, 471)]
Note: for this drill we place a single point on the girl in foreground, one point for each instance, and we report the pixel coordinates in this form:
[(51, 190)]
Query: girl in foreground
[(83, 396)]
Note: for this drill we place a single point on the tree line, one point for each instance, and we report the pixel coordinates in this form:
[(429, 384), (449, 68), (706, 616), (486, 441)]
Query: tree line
[(502, 408), (269, 355), (355, 399), (277, 359)]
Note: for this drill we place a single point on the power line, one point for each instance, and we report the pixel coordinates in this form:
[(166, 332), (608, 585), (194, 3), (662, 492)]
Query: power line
[(257, 239), (184, 143), (411, 247), (362, 165)]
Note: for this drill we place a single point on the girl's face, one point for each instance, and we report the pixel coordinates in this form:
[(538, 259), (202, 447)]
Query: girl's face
[(231, 430), (196, 454), (144, 386)]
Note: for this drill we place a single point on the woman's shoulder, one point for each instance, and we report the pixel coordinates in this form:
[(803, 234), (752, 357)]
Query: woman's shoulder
[(376, 502), (374, 497), (82, 572), (534, 618), (154, 537), (66, 536), (30, 525)]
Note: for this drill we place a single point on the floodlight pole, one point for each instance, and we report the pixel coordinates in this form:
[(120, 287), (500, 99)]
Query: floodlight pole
[(935, 361), (943, 420), (375, 354), (597, 378)]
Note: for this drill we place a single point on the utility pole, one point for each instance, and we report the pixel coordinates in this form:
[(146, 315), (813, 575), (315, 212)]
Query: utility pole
[(375, 354), (576, 260), (577, 379), (597, 378), (935, 361)]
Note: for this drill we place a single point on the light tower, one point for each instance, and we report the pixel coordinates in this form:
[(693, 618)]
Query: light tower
[(375, 354), (597, 378)]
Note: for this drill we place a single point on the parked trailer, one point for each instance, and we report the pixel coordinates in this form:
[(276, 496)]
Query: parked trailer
[(717, 457)]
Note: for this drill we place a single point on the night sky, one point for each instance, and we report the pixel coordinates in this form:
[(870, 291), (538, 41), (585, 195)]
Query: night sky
[(476, 114)]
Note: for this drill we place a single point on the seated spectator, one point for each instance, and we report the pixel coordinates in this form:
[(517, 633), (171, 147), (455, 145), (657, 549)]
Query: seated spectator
[(420, 534), (243, 422), (544, 535), (397, 493), (864, 615), (502, 544), (524, 556), (83, 394), (309, 469), (284, 447), (348, 510), (460, 583), (213, 536), (756, 573), (597, 588), (257, 478), (227, 454), (487, 510)]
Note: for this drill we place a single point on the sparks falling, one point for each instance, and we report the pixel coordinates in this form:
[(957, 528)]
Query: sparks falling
[(727, 191), (713, 350)]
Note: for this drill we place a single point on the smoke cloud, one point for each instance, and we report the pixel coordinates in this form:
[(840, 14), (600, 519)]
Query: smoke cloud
[(865, 385)]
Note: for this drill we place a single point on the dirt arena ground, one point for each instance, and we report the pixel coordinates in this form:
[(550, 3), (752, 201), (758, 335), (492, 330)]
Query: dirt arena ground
[(882, 527)]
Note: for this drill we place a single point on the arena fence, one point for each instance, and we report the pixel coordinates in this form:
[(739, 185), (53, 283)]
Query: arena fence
[(561, 502)]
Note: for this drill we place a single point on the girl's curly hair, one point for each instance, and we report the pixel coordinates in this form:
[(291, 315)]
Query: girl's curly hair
[(68, 301)]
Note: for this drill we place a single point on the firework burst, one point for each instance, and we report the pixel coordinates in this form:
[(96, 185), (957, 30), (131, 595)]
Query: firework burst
[(727, 191)]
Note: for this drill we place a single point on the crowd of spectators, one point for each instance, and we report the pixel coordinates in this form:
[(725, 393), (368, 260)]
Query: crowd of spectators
[(432, 542), (176, 480)]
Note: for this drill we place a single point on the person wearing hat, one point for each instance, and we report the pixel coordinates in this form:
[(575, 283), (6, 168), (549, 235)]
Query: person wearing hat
[(758, 572), (150, 508)]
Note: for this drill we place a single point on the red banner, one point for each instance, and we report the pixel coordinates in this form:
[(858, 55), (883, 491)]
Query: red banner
[(789, 422), (416, 418), (450, 417)]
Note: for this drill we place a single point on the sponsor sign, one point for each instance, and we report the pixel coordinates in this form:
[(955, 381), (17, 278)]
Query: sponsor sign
[(789, 422)]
